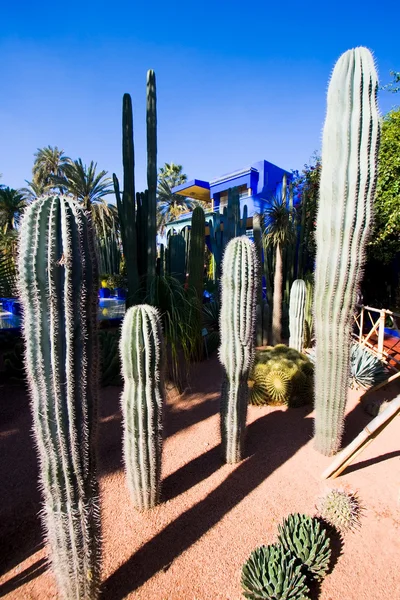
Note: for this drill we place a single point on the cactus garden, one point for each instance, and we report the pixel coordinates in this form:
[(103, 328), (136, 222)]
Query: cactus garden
[(183, 365)]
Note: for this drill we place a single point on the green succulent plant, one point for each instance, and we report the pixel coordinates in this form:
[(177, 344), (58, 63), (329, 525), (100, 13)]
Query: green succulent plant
[(278, 386), (306, 539), (366, 369), (281, 375), (274, 574), (341, 509)]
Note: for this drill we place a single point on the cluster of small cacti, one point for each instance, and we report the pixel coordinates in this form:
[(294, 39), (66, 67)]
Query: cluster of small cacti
[(285, 570), (341, 509), (347, 188), (237, 327), (281, 375)]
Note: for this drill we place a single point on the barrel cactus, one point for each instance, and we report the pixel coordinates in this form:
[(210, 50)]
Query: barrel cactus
[(342, 509), (306, 539), (272, 573), (142, 400), (297, 306), (58, 285), (281, 375), (237, 329), (347, 188)]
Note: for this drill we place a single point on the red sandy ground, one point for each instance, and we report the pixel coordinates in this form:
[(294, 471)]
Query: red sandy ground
[(193, 545)]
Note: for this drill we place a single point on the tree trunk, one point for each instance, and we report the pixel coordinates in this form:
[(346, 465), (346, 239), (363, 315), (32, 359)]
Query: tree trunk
[(277, 302)]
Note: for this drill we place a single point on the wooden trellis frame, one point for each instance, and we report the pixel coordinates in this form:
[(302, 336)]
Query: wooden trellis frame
[(377, 348), (373, 429)]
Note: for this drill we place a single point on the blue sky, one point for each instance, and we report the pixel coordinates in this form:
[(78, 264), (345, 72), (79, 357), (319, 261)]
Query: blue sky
[(236, 81)]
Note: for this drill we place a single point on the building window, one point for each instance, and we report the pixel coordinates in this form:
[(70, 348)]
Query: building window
[(223, 198)]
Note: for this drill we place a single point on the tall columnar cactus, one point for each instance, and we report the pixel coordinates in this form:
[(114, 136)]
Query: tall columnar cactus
[(137, 212), (297, 307), (126, 204), (347, 187), (233, 226), (237, 327), (58, 285), (176, 257), (151, 121), (196, 253), (142, 357)]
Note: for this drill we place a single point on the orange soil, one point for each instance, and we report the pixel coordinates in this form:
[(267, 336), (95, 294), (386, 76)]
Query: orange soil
[(193, 545)]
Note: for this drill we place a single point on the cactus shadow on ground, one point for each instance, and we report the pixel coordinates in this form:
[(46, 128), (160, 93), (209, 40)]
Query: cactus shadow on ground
[(259, 463)]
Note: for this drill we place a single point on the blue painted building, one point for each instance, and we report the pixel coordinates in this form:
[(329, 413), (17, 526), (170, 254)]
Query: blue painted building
[(256, 184)]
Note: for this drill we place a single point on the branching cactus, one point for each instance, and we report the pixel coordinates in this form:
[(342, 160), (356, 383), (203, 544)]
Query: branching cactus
[(297, 307), (237, 327), (142, 400), (347, 188), (58, 285)]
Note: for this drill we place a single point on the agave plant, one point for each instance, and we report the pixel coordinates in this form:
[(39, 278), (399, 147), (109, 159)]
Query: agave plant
[(271, 572), (306, 539), (366, 369)]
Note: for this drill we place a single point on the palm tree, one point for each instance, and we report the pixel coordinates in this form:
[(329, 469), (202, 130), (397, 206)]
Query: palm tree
[(35, 190), (49, 162), (12, 204), (170, 205), (278, 233), (83, 183), (173, 174)]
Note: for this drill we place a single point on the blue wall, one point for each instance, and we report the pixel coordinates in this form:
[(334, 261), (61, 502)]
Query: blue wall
[(265, 180)]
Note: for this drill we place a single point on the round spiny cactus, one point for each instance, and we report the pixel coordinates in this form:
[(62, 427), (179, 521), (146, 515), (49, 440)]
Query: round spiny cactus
[(306, 539), (272, 573), (341, 509), (278, 385), (258, 389)]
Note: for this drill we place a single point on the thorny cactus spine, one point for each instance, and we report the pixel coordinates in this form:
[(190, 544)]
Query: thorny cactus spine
[(237, 328), (347, 188), (297, 314), (142, 400), (58, 289)]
